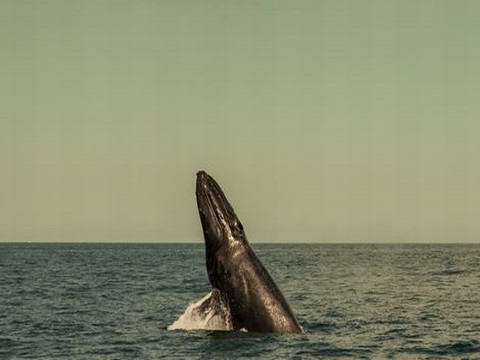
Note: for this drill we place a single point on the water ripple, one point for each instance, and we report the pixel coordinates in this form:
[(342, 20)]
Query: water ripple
[(80, 301)]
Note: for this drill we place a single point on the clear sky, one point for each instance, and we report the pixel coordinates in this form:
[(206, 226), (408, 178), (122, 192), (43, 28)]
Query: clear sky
[(323, 120)]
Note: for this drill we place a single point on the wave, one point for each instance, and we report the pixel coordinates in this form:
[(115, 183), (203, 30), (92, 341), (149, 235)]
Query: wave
[(447, 271), (451, 349)]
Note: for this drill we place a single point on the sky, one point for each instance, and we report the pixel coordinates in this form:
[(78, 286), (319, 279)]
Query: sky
[(323, 121)]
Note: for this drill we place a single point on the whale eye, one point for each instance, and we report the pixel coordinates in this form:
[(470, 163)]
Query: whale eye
[(237, 228)]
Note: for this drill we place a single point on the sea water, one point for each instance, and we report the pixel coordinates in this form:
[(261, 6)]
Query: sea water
[(116, 301)]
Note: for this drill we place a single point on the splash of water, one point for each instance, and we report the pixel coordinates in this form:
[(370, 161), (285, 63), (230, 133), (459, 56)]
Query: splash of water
[(208, 313)]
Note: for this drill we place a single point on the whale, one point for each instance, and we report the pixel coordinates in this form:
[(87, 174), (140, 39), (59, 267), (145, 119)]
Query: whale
[(242, 289)]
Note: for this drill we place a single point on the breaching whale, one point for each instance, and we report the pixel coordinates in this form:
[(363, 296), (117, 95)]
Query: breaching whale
[(242, 289)]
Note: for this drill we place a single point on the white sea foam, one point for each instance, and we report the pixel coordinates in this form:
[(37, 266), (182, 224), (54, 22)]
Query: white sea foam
[(208, 313)]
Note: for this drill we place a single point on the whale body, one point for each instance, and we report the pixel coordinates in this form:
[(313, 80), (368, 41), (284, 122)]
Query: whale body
[(241, 285)]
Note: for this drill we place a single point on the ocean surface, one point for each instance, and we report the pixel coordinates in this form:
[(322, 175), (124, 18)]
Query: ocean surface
[(115, 301)]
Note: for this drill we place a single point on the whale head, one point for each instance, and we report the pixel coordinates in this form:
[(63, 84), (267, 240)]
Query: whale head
[(219, 221), (222, 229)]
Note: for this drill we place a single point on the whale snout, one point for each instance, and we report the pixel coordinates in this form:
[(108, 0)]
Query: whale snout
[(201, 173), (203, 180)]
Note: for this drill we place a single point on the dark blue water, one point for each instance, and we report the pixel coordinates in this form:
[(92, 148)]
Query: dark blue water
[(85, 301)]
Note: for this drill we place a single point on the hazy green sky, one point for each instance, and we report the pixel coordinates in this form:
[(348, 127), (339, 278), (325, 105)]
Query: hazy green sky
[(322, 120)]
